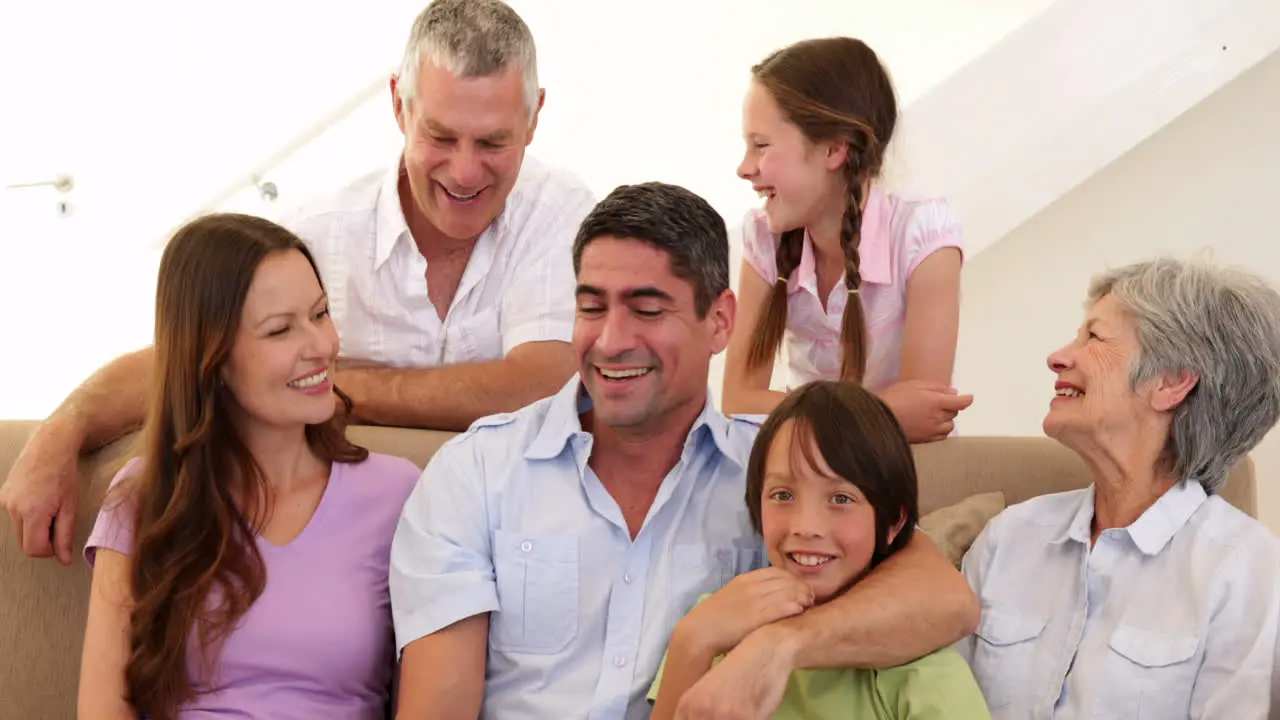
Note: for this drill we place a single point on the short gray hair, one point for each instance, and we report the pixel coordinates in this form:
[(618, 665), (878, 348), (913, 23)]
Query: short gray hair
[(1221, 324), (470, 38)]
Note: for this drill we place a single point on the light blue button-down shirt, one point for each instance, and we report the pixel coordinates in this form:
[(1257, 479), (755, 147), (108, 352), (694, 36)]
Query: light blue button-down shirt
[(508, 519), (1172, 617)]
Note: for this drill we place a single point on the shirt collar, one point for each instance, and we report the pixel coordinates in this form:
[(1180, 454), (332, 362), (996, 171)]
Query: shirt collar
[(563, 423), (391, 225), (873, 245), (1081, 527), (1155, 527)]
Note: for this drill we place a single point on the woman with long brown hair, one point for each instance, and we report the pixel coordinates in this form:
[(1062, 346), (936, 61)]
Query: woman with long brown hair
[(240, 561), (859, 284)]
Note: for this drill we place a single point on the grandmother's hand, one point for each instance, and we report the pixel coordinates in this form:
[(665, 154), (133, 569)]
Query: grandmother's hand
[(926, 410)]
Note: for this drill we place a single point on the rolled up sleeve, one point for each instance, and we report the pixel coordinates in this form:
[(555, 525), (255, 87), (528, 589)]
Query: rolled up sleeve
[(441, 559)]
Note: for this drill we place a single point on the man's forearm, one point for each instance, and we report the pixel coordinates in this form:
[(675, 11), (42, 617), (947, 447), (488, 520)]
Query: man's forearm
[(442, 675), (454, 396), (912, 604), (109, 405)]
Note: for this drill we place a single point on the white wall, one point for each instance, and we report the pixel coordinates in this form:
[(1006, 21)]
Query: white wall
[(156, 120), (1206, 181), (1069, 92)]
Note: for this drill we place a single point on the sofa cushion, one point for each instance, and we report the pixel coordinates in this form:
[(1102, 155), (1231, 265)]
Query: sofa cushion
[(955, 527)]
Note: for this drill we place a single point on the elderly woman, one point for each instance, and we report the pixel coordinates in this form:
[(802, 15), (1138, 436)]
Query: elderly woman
[(1146, 595)]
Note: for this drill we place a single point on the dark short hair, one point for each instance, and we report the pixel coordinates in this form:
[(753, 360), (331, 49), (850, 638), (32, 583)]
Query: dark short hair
[(672, 219), (861, 441)]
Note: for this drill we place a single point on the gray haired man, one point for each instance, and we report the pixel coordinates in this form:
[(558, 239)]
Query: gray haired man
[(449, 274)]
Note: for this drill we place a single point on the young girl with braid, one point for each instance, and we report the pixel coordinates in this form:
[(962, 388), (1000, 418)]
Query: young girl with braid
[(861, 285)]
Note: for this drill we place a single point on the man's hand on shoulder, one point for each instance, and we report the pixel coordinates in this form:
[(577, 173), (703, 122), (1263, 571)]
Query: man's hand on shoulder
[(42, 491)]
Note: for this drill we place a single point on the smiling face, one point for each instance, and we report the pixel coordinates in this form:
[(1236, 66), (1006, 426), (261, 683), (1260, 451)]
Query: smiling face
[(799, 180), (465, 140), (284, 347), (643, 351), (816, 525), (1094, 397)]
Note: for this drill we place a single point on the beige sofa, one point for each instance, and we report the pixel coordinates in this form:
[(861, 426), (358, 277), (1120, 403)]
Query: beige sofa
[(43, 603)]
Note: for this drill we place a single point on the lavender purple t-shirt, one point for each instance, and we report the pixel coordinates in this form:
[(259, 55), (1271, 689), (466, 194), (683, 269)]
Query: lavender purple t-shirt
[(319, 642)]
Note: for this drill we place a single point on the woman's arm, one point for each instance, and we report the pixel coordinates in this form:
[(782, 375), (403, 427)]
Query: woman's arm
[(932, 318), (1236, 675), (746, 391), (106, 641)]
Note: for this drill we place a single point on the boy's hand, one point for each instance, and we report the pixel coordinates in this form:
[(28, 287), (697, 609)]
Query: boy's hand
[(750, 601)]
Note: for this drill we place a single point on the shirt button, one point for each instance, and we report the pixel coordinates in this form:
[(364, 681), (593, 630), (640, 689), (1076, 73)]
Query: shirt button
[(626, 578), (619, 661), (526, 546)]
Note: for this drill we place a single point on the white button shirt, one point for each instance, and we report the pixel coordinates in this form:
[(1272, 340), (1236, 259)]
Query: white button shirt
[(1174, 616), (508, 519), (518, 286)]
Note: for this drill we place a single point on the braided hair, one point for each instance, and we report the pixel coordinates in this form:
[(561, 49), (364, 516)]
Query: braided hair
[(832, 89)]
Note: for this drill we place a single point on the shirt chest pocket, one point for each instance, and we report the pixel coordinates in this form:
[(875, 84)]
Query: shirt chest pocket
[(701, 569), (1003, 652), (537, 583), (475, 338), (1148, 674)]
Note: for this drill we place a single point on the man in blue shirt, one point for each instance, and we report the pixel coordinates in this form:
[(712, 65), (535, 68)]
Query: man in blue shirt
[(547, 554)]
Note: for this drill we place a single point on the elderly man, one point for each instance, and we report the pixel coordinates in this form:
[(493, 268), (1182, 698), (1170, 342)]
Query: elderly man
[(545, 555), (1145, 596), (449, 275)]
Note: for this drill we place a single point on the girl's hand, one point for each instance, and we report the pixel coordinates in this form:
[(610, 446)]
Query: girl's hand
[(926, 411)]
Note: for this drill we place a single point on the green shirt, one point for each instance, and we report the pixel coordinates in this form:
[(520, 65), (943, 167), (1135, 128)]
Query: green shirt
[(938, 685)]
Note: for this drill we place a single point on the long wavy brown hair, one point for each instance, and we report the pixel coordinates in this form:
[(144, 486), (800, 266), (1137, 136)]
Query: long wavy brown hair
[(833, 89), (196, 567)]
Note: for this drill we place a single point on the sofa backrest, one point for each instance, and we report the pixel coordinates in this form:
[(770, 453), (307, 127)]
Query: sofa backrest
[(43, 604), (949, 471)]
